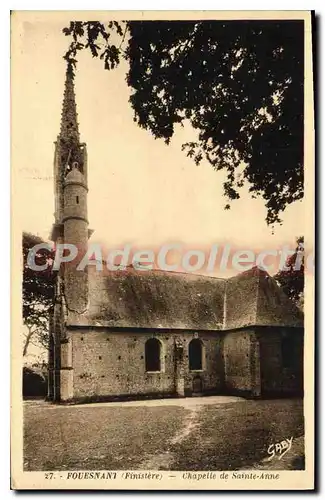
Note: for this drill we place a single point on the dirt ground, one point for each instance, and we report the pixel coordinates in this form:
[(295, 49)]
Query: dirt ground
[(210, 433)]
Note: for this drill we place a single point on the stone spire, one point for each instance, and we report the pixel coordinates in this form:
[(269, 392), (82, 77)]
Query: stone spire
[(70, 149), (69, 153), (69, 118)]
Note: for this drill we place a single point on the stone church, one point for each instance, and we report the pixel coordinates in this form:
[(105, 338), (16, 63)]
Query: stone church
[(136, 334)]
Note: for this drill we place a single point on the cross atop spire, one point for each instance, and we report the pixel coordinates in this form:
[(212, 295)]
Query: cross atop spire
[(69, 131)]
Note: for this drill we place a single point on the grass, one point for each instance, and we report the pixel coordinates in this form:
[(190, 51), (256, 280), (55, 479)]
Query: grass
[(101, 438), (238, 435), (224, 437)]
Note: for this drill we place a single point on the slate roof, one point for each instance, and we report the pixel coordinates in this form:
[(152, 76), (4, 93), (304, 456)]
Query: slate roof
[(160, 299), (155, 299), (254, 298)]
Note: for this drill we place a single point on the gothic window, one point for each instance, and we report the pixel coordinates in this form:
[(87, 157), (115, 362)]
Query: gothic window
[(195, 354), (152, 355)]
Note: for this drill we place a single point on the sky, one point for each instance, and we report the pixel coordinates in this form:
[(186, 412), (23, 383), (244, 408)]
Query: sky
[(141, 191)]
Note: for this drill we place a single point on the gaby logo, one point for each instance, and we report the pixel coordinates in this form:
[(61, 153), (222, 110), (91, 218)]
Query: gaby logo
[(279, 449)]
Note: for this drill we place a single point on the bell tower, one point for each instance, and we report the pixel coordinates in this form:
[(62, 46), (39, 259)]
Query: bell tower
[(70, 227), (68, 151), (70, 193)]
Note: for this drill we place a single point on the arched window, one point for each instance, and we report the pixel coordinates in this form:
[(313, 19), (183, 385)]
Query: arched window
[(195, 354), (152, 355)]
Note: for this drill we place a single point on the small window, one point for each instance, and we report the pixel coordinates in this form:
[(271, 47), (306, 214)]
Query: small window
[(77, 200), (195, 354), (152, 355)]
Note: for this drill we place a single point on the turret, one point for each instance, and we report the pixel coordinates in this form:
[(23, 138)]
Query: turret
[(75, 195), (75, 224)]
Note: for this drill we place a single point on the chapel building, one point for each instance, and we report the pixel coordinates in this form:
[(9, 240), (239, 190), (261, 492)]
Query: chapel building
[(136, 334)]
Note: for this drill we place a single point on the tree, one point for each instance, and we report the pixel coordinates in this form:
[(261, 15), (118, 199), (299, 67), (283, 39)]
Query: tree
[(292, 277), (238, 83), (38, 294)]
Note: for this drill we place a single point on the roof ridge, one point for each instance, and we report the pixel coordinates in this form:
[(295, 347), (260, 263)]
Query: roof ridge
[(155, 270)]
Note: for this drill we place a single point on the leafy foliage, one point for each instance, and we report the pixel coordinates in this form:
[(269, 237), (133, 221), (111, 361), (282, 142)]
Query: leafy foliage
[(87, 35), (239, 84), (291, 278), (38, 293)]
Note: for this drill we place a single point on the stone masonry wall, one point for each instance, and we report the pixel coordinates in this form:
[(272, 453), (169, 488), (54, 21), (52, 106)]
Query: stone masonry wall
[(275, 376), (237, 349), (112, 363)]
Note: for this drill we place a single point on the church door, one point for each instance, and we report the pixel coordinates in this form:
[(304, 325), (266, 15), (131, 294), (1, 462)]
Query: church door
[(197, 386)]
